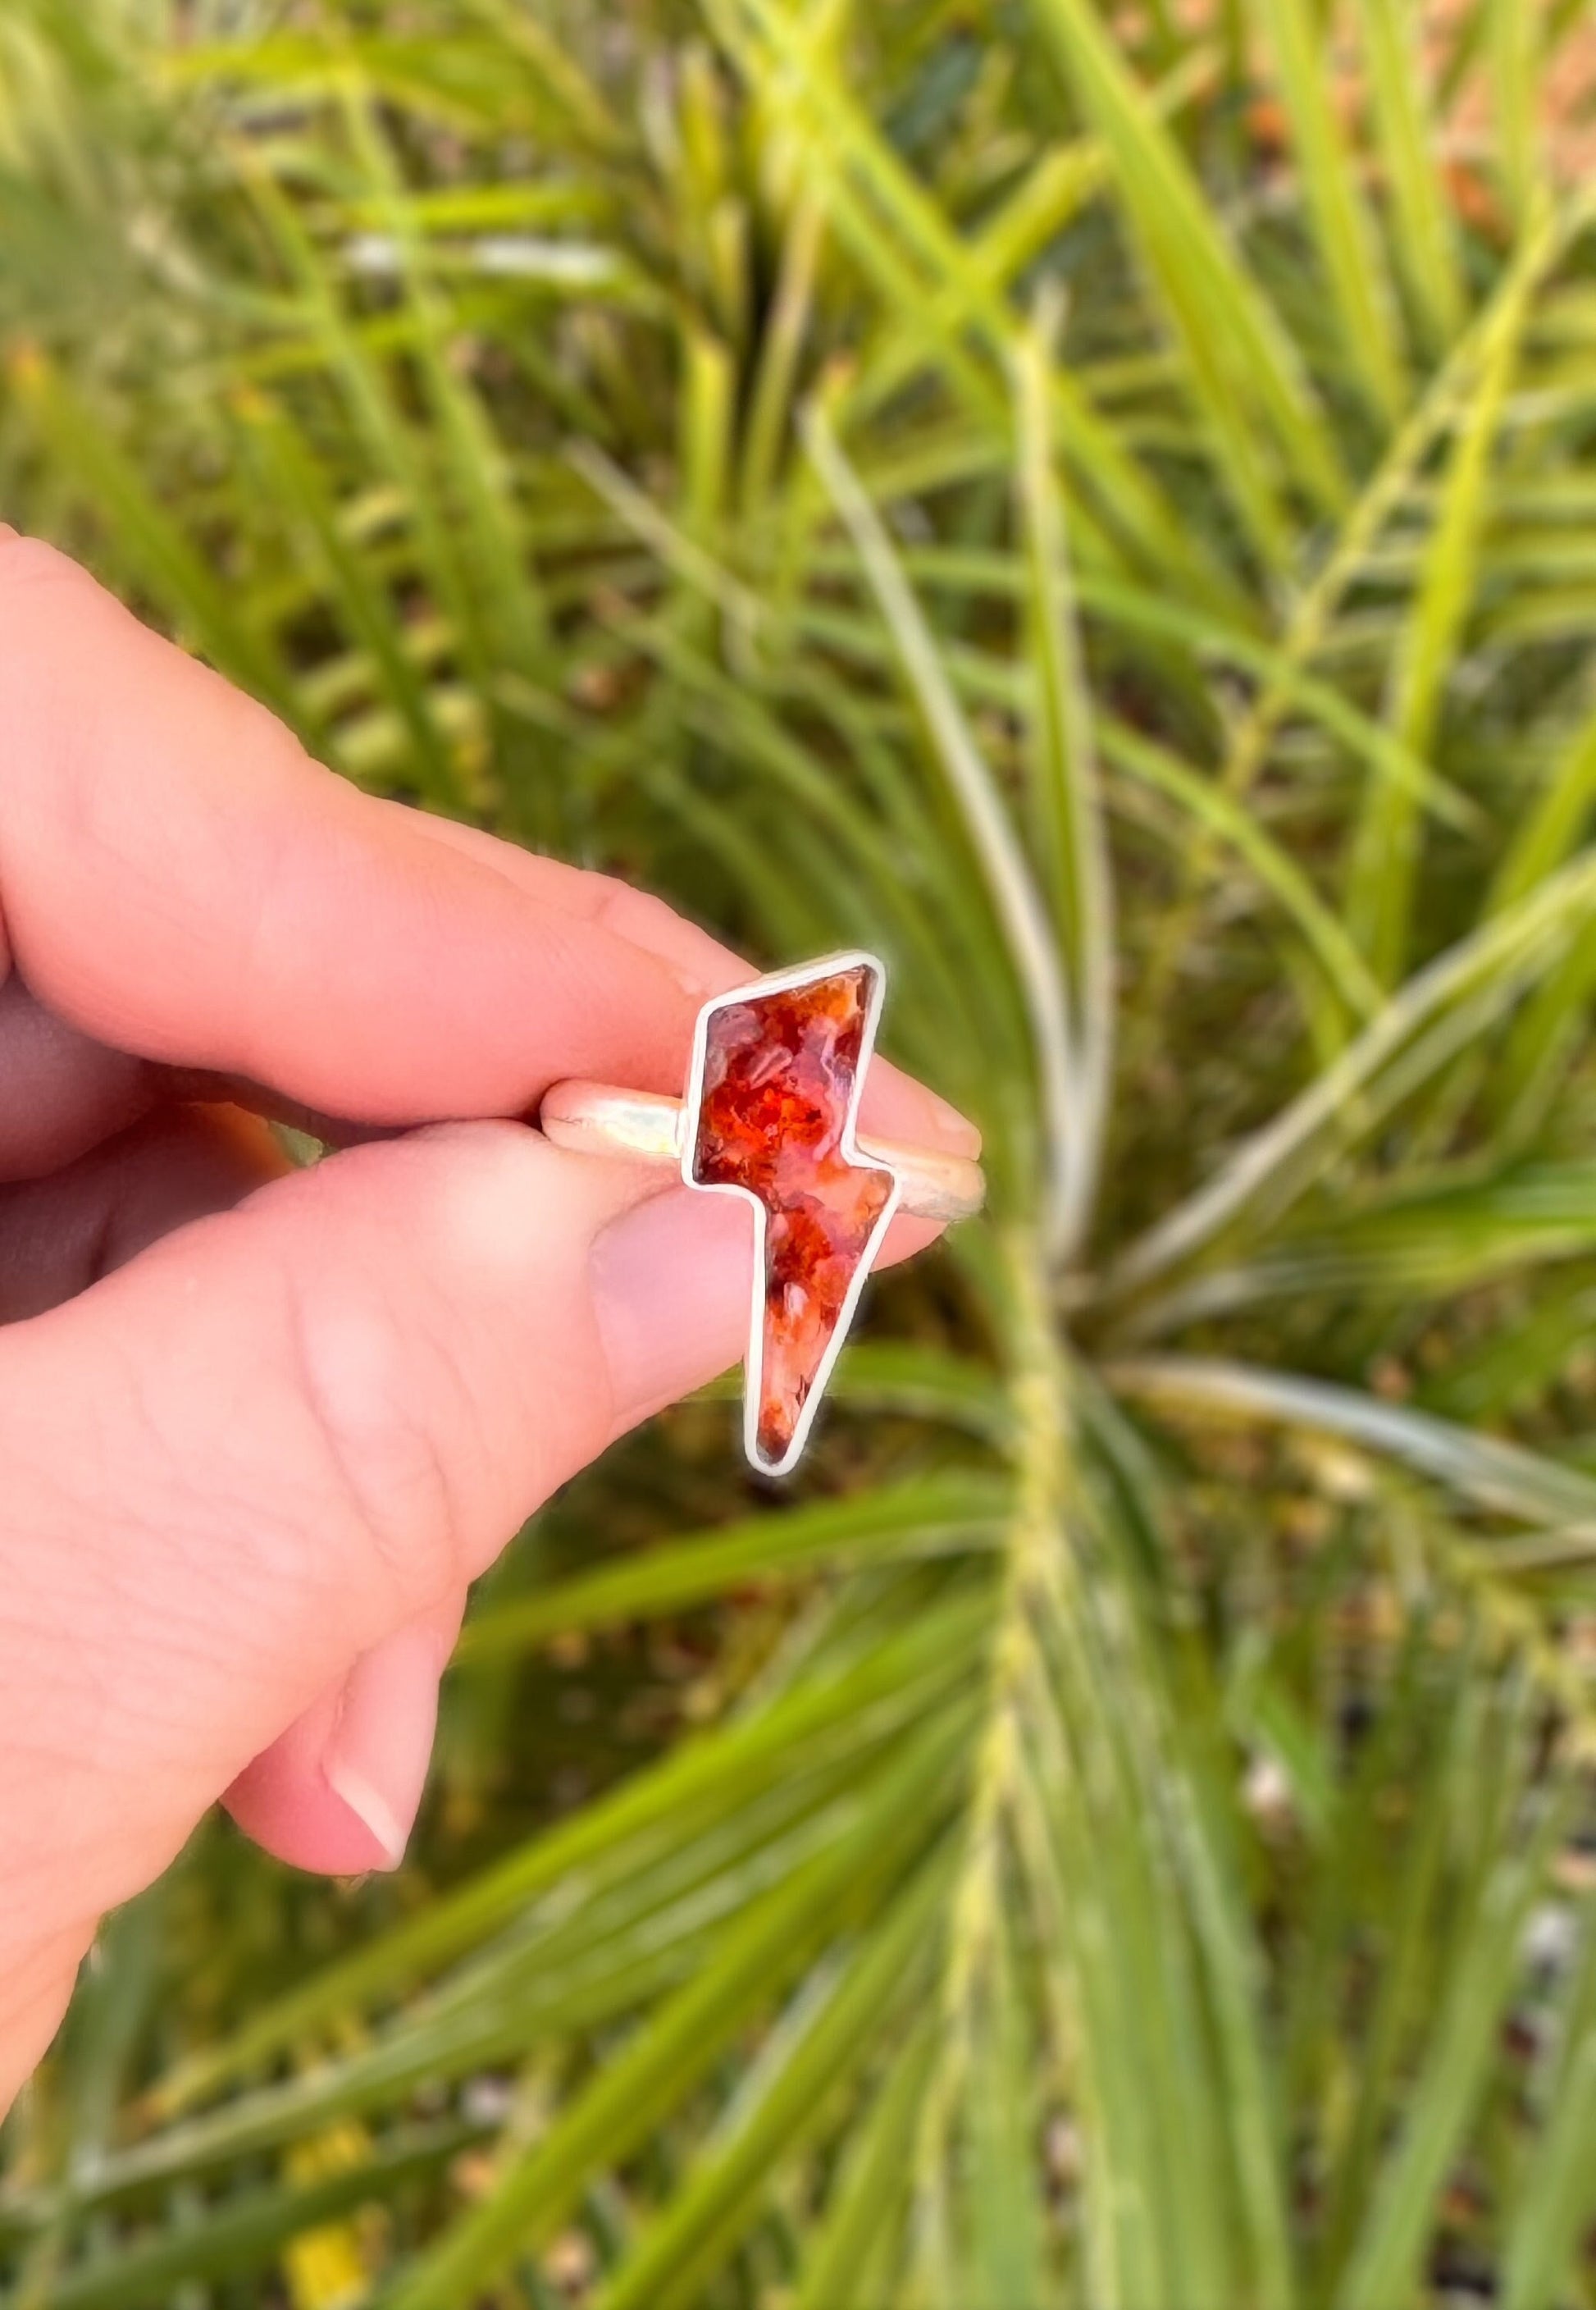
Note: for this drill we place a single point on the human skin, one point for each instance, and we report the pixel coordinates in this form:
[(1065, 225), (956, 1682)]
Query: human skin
[(259, 1430)]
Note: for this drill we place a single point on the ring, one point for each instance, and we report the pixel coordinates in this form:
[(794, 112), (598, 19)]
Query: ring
[(769, 1113)]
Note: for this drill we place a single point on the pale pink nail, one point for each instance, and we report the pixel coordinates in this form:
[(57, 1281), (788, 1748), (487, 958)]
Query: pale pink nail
[(380, 1744), (949, 1129)]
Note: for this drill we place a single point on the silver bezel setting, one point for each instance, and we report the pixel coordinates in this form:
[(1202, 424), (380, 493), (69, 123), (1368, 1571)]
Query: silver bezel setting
[(781, 982)]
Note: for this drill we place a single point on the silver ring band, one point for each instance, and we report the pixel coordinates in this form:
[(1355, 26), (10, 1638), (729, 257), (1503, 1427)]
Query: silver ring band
[(647, 1127)]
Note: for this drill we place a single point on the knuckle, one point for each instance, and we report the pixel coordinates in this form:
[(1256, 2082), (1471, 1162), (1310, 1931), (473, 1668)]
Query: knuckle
[(641, 917)]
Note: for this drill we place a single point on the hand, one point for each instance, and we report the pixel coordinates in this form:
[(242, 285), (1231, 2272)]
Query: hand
[(259, 1431)]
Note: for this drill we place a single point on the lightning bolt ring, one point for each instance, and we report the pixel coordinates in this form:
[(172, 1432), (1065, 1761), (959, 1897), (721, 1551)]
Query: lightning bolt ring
[(769, 1114)]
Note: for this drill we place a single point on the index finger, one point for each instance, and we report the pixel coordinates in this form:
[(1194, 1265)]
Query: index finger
[(180, 879)]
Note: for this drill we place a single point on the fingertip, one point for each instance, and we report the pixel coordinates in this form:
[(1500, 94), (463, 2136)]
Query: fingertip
[(906, 1236), (283, 1803), (894, 1105), (376, 1758), (950, 1130), (339, 1792)]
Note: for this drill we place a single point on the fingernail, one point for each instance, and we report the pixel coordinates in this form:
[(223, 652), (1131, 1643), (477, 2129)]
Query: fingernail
[(670, 1283), (949, 1129), (380, 1745)]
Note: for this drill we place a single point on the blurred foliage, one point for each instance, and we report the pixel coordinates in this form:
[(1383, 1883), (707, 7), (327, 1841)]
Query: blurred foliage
[(1098, 507)]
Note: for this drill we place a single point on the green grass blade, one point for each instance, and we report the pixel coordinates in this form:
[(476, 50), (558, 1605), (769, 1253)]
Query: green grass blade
[(246, 2234), (1003, 2245), (1499, 1476), (1424, 230), (1552, 2203), (1236, 1983), (1240, 359), (939, 287), (291, 474), (895, 1376), (1352, 258), (1515, 99), (771, 404), (1535, 1064), (1474, 981), (1552, 831), (1384, 863), (1387, 2261), (1132, 610), (393, 445), (1313, 621), (872, 2187), (630, 2095), (1064, 784), (1013, 891), (160, 555), (1419, 1877), (1424, 1241), (500, 565), (932, 1514), (838, 2028), (577, 98), (1205, 802)]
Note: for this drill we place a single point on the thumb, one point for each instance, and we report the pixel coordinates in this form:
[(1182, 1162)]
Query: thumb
[(238, 1466), (340, 1790)]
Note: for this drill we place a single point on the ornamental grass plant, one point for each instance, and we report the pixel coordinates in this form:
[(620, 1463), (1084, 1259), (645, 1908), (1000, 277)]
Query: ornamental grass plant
[(1097, 504)]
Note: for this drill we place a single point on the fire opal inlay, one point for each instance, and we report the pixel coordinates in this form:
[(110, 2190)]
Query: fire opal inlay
[(779, 1074)]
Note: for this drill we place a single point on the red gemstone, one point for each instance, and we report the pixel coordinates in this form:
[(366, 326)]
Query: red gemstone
[(779, 1070)]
